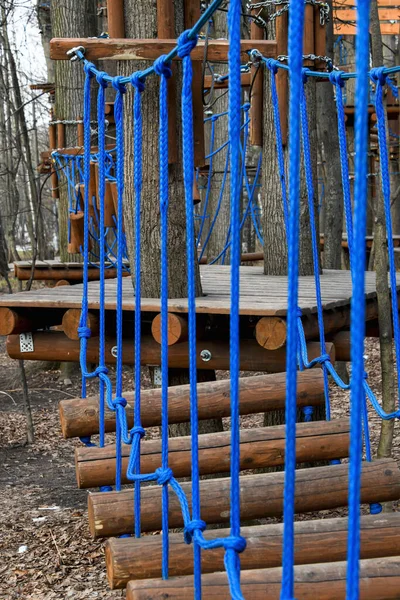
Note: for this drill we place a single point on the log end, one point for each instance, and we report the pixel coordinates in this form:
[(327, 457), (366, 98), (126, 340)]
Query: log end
[(271, 332)]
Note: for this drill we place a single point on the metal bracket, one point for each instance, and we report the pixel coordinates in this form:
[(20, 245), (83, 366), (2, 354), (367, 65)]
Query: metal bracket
[(26, 342), (114, 351), (157, 379)]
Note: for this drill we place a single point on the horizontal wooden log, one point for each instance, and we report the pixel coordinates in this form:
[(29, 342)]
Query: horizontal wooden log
[(150, 49), (261, 496), (317, 541), (379, 580), (62, 282), (259, 448), (56, 346), (14, 322), (71, 323), (75, 275), (177, 328), (262, 393)]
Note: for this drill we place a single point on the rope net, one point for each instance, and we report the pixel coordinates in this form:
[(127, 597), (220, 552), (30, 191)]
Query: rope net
[(241, 184)]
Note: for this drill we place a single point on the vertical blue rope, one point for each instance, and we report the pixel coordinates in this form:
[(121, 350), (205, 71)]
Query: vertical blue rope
[(379, 78), (119, 400), (137, 432), (296, 22), (163, 69), (358, 299), (232, 560)]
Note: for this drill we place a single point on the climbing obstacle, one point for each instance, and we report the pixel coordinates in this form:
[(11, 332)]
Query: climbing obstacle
[(244, 322)]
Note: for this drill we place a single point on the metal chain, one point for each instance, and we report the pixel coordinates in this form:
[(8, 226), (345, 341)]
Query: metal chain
[(329, 63), (324, 9)]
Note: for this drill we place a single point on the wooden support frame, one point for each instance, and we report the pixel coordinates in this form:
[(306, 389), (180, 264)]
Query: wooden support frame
[(115, 18), (282, 81), (54, 176), (257, 93), (130, 49)]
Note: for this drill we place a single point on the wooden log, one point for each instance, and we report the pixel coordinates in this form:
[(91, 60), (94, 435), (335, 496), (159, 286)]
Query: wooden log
[(166, 30), (212, 355), (65, 273), (379, 580), (62, 282), (80, 133), (54, 174), (109, 205), (150, 49), (259, 448), (24, 321), (257, 93), (282, 82), (115, 18), (261, 496), (61, 135), (308, 34), (342, 346), (319, 39), (77, 232), (177, 328), (262, 393), (319, 541), (71, 320), (271, 332)]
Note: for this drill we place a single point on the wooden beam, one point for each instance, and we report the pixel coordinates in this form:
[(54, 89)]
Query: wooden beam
[(379, 579), (130, 49), (71, 322), (259, 448), (282, 81), (318, 541), (212, 355), (261, 496), (115, 18), (24, 321), (258, 394), (257, 92)]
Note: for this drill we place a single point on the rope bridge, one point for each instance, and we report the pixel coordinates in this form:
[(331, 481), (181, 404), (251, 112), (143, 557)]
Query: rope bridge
[(233, 542)]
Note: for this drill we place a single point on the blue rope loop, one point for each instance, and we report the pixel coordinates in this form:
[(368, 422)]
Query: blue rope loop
[(84, 332), (191, 528), (162, 66), (336, 77), (378, 75), (137, 81), (101, 79), (118, 84), (186, 44)]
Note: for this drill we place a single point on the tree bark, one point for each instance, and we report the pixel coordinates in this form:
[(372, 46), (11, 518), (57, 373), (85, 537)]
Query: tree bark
[(381, 267), (71, 18), (141, 22)]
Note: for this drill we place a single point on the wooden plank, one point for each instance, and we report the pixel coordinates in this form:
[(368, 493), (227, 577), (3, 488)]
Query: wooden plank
[(337, 4), (379, 580), (259, 448), (386, 29), (130, 49), (261, 496), (385, 14), (316, 541), (262, 393)]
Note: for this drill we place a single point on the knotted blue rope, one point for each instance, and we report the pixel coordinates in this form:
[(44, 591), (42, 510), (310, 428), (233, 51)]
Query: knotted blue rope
[(137, 432), (380, 79), (296, 85), (358, 298), (119, 126)]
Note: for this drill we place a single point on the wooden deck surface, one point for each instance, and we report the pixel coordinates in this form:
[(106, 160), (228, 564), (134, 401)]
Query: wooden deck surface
[(259, 294)]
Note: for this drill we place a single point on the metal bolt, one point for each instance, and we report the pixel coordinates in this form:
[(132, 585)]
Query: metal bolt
[(205, 355), (114, 351)]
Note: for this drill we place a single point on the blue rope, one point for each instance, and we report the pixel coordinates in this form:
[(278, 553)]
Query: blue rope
[(358, 298), (296, 86)]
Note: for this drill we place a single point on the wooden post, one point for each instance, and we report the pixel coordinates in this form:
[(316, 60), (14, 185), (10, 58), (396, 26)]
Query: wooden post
[(115, 17), (71, 321), (192, 15), (54, 175), (77, 232), (308, 36), (166, 29), (256, 100), (80, 134), (282, 82), (60, 135), (319, 38)]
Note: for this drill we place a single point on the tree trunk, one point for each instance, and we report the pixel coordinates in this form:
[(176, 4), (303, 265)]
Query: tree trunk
[(329, 144), (382, 287), (44, 21), (72, 18), (141, 22)]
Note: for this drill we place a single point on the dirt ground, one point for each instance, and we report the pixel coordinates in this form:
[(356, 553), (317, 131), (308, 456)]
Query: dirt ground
[(45, 548)]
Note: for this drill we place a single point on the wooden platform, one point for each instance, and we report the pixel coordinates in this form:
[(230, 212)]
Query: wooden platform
[(259, 294)]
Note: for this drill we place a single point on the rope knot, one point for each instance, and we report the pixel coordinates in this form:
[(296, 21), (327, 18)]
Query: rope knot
[(191, 527), (336, 78), (236, 543), (246, 106), (324, 358), (101, 79), (163, 475), (378, 75), (84, 332), (138, 430), (375, 508), (88, 68), (186, 44), (308, 413), (87, 441), (119, 401), (272, 66), (137, 81), (118, 84), (101, 370), (163, 66)]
